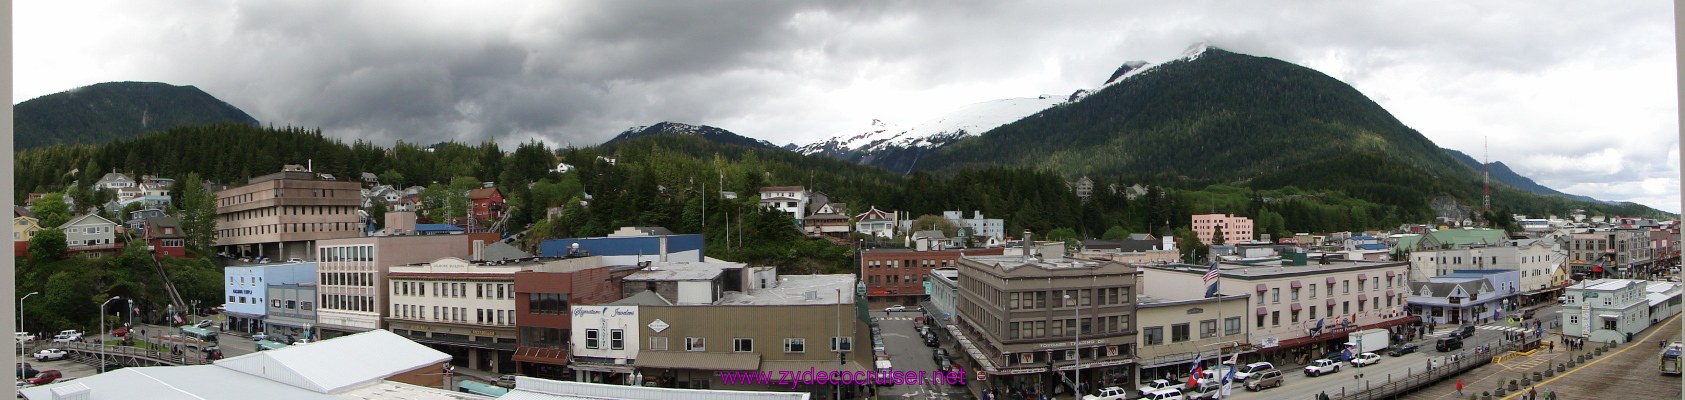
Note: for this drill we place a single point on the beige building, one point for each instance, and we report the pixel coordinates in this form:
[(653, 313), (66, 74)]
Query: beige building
[(1289, 301), (1235, 229), (352, 276), (282, 215), (1180, 327), (462, 308), (1028, 321)]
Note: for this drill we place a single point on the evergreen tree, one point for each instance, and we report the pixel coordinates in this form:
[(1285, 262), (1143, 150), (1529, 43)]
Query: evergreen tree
[(47, 245), (197, 213), (51, 210)]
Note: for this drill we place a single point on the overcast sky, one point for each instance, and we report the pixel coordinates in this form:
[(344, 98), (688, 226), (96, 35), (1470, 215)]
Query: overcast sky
[(1578, 95)]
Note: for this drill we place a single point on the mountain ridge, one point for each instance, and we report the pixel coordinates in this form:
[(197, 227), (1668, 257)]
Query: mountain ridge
[(109, 111)]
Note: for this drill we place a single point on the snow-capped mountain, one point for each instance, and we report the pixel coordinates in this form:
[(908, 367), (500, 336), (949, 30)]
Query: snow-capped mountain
[(850, 140), (678, 129), (854, 143)]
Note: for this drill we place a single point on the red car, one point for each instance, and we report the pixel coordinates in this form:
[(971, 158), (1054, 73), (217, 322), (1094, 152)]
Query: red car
[(46, 377), (120, 332)]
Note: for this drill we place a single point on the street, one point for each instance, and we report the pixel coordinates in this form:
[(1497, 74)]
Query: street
[(907, 352)]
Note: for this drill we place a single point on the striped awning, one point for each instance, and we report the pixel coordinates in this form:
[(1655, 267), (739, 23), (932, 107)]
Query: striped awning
[(1296, 284), (1295, 307), (1262, 311), (1262, 288)]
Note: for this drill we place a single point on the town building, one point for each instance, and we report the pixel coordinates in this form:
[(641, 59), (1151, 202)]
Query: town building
[(828, 220), (899, 276), (1084, 188), (994, 228), (24, 226), (1617, 252), (137, 219), (877, 223), (629, 246), (1664, 300), (352, 278), (544, 389), (292, 311), (282, 215), (1234, 229), (1606, 310), (791, 200), (114, 181), (486, 204), (544, 294), (1465, 296), (465, 309), (91, 235), (605, 343), (1139, 249), (944, 294), (777, 323), (1178, 328), (165, 238), (247, 290), (1540, 266), (1031, 323), (1302, 308)]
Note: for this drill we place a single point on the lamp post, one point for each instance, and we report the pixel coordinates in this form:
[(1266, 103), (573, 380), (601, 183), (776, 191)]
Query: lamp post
[(20, 327), (102, 332)]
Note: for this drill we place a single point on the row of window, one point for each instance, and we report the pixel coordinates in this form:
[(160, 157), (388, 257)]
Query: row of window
[(547, 303), (348, 302), (1066, 327), (1067, 298), (289, 228), (347, 278), (909, 263), (1345, 288), (345, 253), (482, 316), (891, 279), (454, 289), (291, 304), (616, 341), (1154, 335), (1345, 308)]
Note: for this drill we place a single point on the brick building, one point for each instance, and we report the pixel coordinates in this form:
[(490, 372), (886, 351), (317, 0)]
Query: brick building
[(898, 276), (543, 295)]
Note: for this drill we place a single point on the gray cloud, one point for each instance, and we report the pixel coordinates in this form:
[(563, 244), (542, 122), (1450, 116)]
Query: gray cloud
[(1549, 83)]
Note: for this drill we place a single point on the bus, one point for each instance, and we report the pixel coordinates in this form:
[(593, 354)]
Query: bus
[(198, 333), (268, 345), (1670, 358)]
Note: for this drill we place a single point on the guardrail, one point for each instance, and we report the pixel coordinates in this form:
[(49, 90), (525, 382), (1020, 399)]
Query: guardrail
[(1461, 364)]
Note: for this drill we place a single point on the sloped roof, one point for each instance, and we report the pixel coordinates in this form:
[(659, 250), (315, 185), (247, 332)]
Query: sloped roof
[(930, 234), (80, 218), (483, 193), (113, 177), (783, 189), (338, 364), (503, 251), (154, 224), (20, 211), (644, 298), (193, 382)]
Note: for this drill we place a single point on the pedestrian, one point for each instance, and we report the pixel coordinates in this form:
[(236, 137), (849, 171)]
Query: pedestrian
[(1532, 394), (1459, 386)]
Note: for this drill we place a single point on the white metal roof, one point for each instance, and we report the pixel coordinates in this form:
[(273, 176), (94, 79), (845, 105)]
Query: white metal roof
[(197, 382), (527, 388), (337, 364)]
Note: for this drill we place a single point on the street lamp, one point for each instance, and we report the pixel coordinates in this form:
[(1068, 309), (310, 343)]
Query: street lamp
[(20, 328), (102, 332)]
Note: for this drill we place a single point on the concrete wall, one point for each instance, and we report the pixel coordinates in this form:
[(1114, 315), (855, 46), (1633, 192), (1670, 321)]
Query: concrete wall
[(768, 325), (695, 292), (1167, 315), (286, 210)]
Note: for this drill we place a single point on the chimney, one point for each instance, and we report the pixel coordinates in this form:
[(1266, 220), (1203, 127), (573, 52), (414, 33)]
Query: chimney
[(1027, 244), (663, 248)]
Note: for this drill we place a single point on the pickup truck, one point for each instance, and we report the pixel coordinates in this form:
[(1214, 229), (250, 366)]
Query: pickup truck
[(1147, 389), (1322, 366)]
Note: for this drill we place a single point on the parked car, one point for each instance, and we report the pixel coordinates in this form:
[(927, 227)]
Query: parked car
[(1264, 380), (27, 371), (895, 308), (1527, 314), (1402, 349), (1322, 366), (1448, 343), (1246, 371), (205, 323), (260, 336), (51, 355), (25, 337), (1108, 393), (120, 332), (1366, 359), (1214, 374), (46, 377), (938, 354), (1166, 394), (930, 341), (507, 381), (1203, 391), (67, 338), (1467, 331), (1156, 385)]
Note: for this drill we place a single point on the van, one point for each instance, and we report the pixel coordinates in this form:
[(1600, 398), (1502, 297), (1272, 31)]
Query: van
[(1264, 380), (1166, 394), (1448, 343), (1466, 332)]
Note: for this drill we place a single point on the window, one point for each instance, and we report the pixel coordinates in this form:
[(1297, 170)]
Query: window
[(305, 305), (1207, 328), (1012, 331), (1313, 312), (1573, 319), (1012, 301), (743, 345), (1345, 287), (616, 339), (1345, 307), (1275, 295), (1295, 294), (1275, 318), (231, 299), (1260, 321), (842, 343), (1260, 300), (1231, 326), (696, 344), (292, 304), (658, 343), (1155, 335), (592, 339)]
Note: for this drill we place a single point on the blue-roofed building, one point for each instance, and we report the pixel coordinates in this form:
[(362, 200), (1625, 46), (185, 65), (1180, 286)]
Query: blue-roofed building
[(1372, 246), (629, 245), (437, 229), (1465, 295)]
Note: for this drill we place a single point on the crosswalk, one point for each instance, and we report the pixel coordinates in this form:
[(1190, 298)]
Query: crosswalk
[(895, 318), (1444, 331)]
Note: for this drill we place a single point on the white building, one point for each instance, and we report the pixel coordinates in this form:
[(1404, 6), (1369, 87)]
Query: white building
[(604, 335), (114, 181), (1539, 264), (458, 306), (977, 225), (89, 230), (875, 222), (787, 199), (1606, 310)]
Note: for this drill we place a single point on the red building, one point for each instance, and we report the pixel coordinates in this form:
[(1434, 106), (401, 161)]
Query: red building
[(897, 276), (164, 235), (542, 299), (487, 204)]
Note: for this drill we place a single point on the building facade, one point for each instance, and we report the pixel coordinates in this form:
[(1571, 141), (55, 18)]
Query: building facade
[(282, 215), (91, 233), (165, 237), (351, 279), (1028, 322), (1235, 229), (977, 225), (487, 206), (462, 308), (292, 311), (1465, 296), (24, 226), (1536, 263), (247, 290), (1178, 328), (876, 223), (786, 199), (1610, 252), (899, 276), (543, 296), (1606, 310)]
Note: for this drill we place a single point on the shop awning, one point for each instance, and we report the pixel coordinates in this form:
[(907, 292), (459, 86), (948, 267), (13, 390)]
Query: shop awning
[(1262, 288), (1362, 277), (541, 355), (1262, 311), (1296, 307), (1296, 284), (700, 361), (1610, 316)]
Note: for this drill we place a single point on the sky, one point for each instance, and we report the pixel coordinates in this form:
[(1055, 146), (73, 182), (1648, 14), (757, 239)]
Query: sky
[(1579, 96)]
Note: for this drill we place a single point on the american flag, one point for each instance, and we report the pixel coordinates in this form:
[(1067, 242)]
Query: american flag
[(1211, 273)]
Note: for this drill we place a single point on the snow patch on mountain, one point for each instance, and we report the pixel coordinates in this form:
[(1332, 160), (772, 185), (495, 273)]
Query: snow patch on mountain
[(966, 121), (1136, 68)]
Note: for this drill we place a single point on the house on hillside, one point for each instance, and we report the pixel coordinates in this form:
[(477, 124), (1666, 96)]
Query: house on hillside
[(875, 222), (114, 181), (370, 179), (137, 219), (90, 233), (791, 200), (487, 205), (24, 226), (164, 236), (828, 220)]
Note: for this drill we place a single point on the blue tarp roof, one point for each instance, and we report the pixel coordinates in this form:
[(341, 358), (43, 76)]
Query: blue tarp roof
[(437, 228), (1372, 246)]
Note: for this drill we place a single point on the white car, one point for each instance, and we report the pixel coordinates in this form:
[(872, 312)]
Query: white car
[(1166, 394), (51, 355), (895, 309), (1322, 366), (1366, 359), (1246, 372), (67, 338), (25, 337), (1156, 385), (1108, 393), (1213, 375)]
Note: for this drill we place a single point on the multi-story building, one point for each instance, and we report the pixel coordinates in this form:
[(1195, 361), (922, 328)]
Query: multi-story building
[(629, 246), (1606, 310), (292, 311), (1609, 252), (114, 181), (92, 234), (1538, 265), (1291, 300), (876, 223), (164, 236), (1664, 248), (791, 200), (830, 219), (1178, 328), (543, 295), (465, 309), (247, 290), (944, 293), (778, 323), (1140, 249), (1235, 229), (1029, 322), (1084, 188), (1464, 296), (24, 226), (282, 215), (486, 205), (899, 276), (977, 225), (352, 276)]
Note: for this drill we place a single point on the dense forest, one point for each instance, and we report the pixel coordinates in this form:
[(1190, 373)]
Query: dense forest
[(101, 112)]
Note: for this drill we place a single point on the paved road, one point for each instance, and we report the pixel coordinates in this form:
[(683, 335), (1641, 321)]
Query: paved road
[(908, 353), (231, 345)]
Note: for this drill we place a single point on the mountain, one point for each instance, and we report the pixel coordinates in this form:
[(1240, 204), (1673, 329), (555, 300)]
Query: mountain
[(1503, 174), (113, 110), (705, 132), (898, 149)]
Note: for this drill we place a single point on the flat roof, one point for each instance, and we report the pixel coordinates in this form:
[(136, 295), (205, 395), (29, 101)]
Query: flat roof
[(1606, 284), (389, 390), (528, 388), (1150, 301), (1247, 271), (193, 382), (1014, 262), (793, 289), (682, 271)]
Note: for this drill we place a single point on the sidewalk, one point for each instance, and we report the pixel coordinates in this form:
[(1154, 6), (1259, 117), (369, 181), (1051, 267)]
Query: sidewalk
[(1492, 376)]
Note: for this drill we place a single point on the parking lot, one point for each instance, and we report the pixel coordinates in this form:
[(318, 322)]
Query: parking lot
[(70, 369)]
